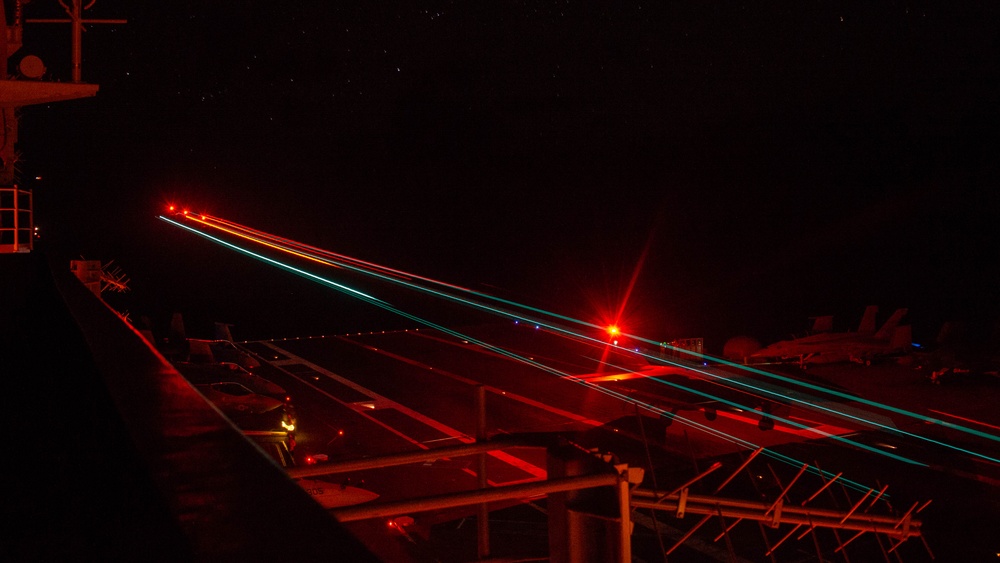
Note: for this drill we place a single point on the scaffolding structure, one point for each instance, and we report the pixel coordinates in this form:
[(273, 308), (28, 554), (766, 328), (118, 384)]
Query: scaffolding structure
[(16, 221), (30, 86)]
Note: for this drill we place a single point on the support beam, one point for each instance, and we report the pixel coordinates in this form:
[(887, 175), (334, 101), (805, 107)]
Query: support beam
[(526, 490), (405, 458)]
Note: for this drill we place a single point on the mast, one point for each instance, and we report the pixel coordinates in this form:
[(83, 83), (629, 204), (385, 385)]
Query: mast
[(28, 88)]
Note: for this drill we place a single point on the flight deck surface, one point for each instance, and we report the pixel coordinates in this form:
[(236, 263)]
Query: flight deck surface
[(414, 389)]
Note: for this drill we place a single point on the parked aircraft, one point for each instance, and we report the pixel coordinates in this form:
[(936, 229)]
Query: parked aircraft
[(959, 354), (249, 410), (204, 374), (862, 346), (231, 396), (219, 351), (823, 324), (177, 347)]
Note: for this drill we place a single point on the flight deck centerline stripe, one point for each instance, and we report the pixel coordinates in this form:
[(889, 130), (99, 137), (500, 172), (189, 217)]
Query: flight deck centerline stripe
[(500, 455)]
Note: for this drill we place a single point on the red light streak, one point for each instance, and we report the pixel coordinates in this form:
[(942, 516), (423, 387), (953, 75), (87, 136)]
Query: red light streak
[(323, 256)]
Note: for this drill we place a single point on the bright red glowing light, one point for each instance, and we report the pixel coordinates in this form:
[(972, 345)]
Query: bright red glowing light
[(185, 211), (171, 209), (613, 330)]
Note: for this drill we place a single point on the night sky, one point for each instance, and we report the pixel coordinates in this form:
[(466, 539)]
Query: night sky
[(771, 162)]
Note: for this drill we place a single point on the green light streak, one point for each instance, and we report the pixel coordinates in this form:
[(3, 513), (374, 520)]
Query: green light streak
[(273, 262)]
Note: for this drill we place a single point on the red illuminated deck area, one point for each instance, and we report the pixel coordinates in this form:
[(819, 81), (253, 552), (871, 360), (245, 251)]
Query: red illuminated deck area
[(436, 371), (414, 389)]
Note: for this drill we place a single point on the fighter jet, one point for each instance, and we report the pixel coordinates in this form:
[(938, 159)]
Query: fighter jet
[(960, 353), (249, 410), (204, 374), (862, 346)]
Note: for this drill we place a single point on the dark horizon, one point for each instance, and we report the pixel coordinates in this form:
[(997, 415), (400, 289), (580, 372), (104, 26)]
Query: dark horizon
[(777, 163)]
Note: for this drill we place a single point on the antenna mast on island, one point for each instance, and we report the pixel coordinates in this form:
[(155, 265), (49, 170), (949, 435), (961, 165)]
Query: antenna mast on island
[(27, 87)]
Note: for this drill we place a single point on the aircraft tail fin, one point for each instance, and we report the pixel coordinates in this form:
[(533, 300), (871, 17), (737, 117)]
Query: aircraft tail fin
[(867, 325), (822, 324), (176, 334), (951, 333), (200, 352), (148, 335), (885, 333), (222, 332), (902, 338)]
